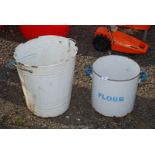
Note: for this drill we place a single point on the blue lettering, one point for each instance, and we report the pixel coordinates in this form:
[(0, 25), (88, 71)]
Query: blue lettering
[(110, 98), (121, 99), (115, 99), (99, 95), (103, 97)]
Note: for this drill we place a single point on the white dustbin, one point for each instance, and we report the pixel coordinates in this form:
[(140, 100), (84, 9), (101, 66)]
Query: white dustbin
[(46, 66), (114, 85)]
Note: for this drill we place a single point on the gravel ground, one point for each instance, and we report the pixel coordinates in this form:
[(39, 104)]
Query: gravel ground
[(13, 110)]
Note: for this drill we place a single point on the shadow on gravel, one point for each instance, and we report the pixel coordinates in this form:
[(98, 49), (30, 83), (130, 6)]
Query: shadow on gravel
[(81, 115), (10, 89)]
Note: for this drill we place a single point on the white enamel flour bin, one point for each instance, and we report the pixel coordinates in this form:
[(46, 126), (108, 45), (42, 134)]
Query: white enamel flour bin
[(46, 67), (115, 80)]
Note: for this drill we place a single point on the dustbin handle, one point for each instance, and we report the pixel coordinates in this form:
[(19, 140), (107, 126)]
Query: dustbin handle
[(69, 46), (88, 71), (22, 67), (72, 40), (11, 63), (143, 77)]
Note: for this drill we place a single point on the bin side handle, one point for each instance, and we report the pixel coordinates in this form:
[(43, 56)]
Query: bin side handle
[(143, 77)]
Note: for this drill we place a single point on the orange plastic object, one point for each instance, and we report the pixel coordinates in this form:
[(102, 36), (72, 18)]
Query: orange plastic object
[(123, 42), (34, 31), (137, 27)]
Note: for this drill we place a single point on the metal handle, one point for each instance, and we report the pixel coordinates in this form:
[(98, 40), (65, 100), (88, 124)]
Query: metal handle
[(22, 67), (71, 48), (69, 44), (72, 40)]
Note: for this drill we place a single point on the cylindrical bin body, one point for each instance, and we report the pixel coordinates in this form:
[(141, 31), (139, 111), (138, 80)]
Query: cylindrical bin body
[(34, 31), (46, 67), (115, 80)]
